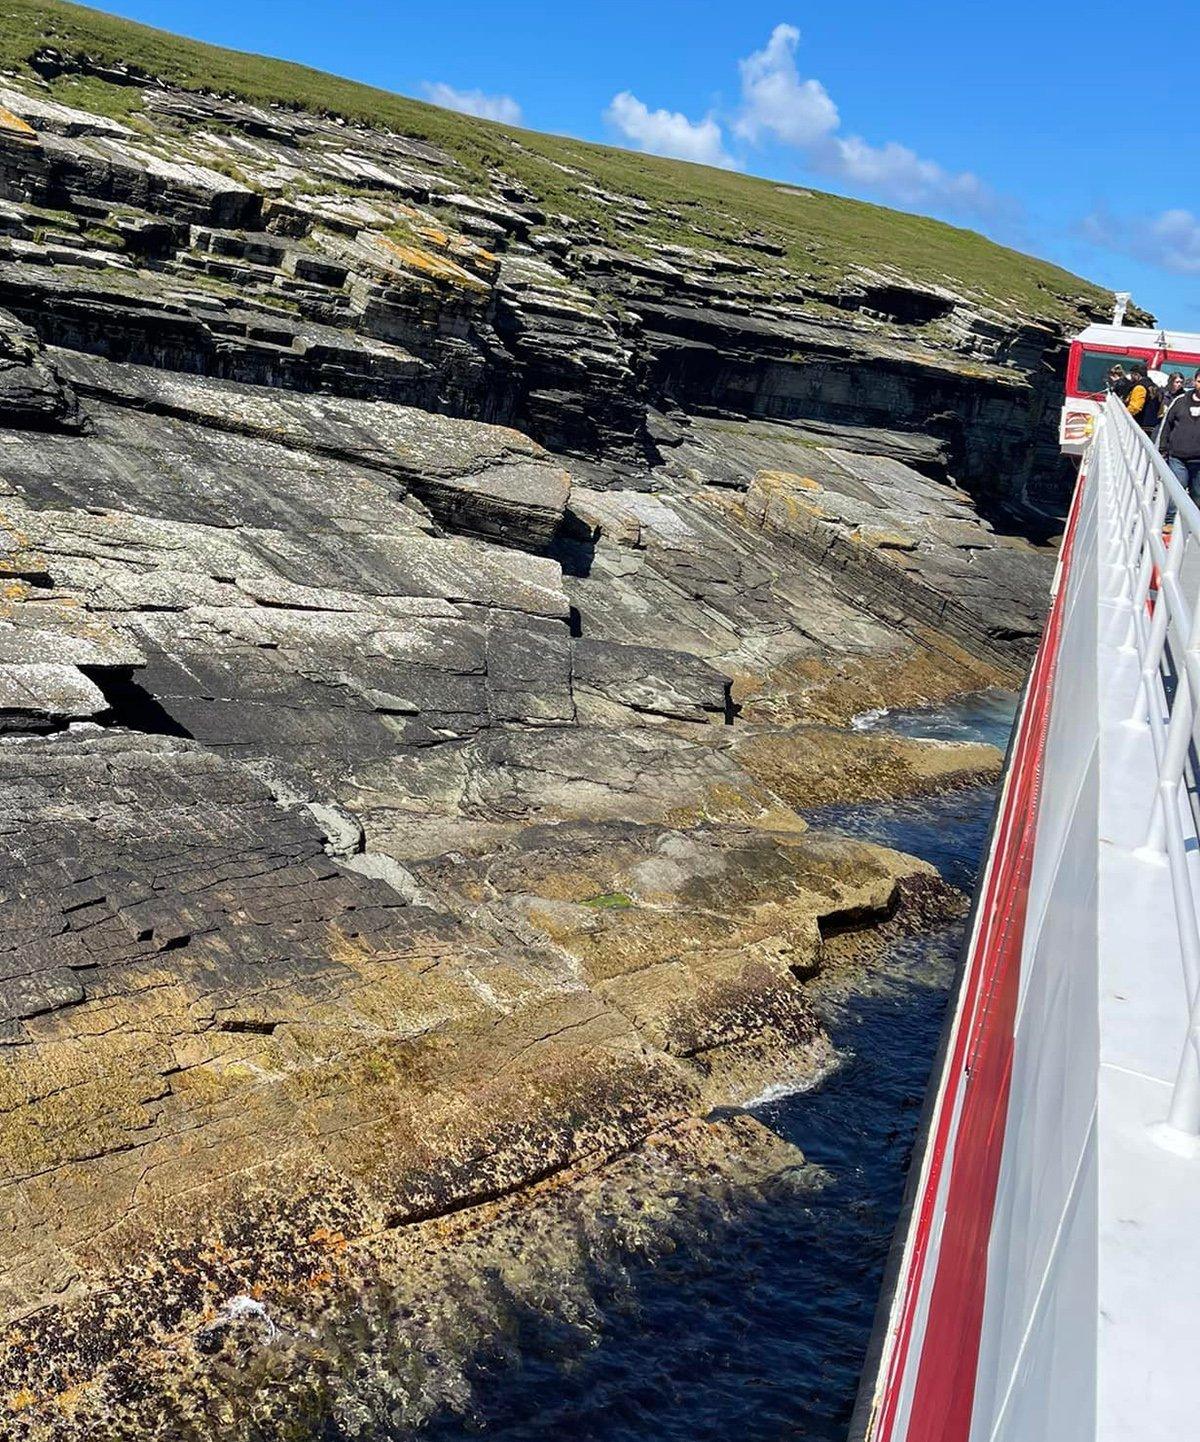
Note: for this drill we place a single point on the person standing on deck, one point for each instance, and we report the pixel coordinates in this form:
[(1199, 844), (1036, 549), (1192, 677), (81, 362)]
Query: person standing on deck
[(1144, 400), (1179, 439), (1176, 385)]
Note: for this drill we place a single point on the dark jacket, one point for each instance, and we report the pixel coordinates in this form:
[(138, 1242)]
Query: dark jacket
[(1152, 408), (1180, 434)]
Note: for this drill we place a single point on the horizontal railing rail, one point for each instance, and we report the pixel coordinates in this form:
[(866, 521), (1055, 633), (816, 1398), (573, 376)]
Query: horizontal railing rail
[(1152, 541)]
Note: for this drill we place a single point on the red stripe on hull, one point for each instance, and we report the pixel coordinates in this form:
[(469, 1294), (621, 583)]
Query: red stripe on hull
[(981, 1054)]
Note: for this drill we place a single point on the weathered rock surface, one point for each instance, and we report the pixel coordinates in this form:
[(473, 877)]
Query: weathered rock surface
[(282, 249), (420, 630), (482, 481)]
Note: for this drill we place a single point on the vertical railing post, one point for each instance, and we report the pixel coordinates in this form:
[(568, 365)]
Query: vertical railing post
[(1184, 1114), (1152, 655)]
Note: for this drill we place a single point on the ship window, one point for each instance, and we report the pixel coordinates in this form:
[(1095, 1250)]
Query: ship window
[(1187, 369), (1094, 367)]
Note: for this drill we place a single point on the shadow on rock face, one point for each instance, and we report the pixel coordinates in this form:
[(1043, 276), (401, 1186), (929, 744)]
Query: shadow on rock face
[(573, 554), (132, 706)]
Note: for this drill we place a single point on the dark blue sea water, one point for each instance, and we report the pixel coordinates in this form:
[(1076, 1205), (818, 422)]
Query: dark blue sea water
[(753, 1326)]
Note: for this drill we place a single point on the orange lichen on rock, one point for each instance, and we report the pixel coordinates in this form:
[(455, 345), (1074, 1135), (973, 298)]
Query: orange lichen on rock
[(425, 263), (15, 126), (433, 236), (787, 480), (885, 540)]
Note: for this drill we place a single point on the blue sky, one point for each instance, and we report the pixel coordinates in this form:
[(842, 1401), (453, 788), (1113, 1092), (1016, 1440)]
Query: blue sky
[(1026, 121)]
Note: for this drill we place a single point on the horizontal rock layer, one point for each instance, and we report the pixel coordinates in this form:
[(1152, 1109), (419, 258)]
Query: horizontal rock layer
[(293, 251)]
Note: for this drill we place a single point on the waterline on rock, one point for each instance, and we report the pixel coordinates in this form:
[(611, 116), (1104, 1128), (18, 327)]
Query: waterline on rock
[(978, 716), (778, 1091), (754, 1313)]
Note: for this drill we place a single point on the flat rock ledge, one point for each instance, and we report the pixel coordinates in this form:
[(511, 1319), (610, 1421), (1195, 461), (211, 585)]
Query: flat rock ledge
[(232, 1061)]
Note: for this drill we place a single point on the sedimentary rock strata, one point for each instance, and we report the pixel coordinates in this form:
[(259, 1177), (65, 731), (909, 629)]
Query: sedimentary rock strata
[(421, 628)]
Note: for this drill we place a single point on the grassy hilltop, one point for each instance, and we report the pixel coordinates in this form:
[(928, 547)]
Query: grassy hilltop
[(821, 235)]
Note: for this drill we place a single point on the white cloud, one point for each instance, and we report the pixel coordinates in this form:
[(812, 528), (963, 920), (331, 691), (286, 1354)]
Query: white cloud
[(776, 101), (667, 132), (895, 171), (473, 102), (1170, 240), (779, 105)]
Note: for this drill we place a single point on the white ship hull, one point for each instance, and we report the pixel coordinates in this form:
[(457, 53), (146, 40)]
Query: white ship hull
[(1045, 1284)]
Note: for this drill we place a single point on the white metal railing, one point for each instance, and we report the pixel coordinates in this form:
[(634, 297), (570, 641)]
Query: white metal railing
[(1152, 537)]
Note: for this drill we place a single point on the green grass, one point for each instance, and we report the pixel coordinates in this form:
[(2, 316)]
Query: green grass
[(85, 92), (105, 236), (610, 901), (822, 235)]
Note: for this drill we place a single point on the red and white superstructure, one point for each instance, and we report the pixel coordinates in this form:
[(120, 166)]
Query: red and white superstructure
[(1045, 1283), (1092, 354)]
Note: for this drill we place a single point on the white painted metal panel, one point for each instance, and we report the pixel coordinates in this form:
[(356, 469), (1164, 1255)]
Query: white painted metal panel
[(1053, 1396), (1052, 1105), (1074, 722)]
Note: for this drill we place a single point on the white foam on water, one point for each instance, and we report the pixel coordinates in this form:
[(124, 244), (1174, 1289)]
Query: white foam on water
[(868, 720), (778, 1090)]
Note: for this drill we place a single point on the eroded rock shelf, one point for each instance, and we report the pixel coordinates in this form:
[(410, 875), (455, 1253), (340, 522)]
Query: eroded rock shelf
[(422, 626)]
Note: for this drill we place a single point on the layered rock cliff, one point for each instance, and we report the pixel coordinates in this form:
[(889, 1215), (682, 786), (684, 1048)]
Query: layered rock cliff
[(423, 622)]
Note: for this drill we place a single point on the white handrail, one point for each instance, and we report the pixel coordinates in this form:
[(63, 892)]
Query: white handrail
[(1142, 496)]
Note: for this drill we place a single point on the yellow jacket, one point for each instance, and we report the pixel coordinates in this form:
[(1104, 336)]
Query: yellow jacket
[(1136, 399)]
